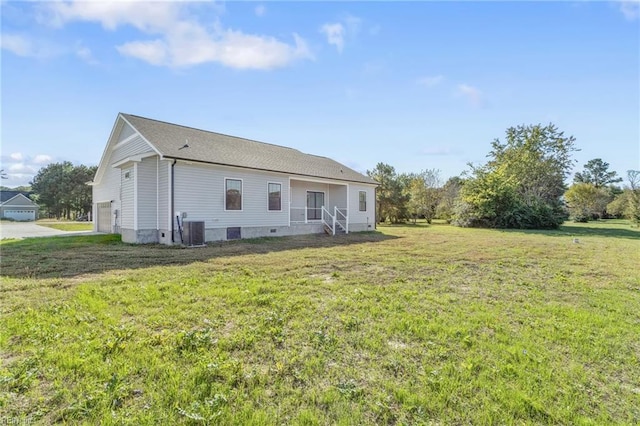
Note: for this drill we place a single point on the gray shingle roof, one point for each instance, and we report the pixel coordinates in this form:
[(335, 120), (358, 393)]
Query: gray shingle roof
[(216, 148), (7, 195)]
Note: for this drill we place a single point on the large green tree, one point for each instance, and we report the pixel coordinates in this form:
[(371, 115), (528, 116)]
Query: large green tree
[(596, 172), (423, 190), (390, 195), (633, 207), (448, 196), (627, 203), (586, 201), (522, 184), (61, 188)]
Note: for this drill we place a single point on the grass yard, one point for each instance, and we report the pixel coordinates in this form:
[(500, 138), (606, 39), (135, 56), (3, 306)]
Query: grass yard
[(409, 325), (65, 225)]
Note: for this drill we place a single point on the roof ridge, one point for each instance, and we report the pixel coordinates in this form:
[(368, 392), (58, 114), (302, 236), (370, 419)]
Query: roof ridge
[(215, 133)]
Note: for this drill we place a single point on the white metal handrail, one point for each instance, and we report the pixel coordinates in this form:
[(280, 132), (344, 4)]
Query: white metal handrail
[(301, 214), (329, 220), (344, 222), (340, 217)]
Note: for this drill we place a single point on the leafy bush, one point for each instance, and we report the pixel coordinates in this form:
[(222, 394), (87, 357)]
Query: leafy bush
[(521, 186)]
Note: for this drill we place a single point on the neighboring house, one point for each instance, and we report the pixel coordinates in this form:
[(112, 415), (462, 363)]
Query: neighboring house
[(157, 182), (17, 205)]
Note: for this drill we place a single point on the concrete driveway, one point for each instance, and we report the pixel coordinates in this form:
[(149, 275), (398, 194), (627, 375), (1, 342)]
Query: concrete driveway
[(30, 229)]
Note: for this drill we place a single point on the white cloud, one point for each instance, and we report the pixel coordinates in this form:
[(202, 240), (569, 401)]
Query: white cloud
[(153, 52), (19, 45), (335, 34), (42, 159), (437, 151), (27, 47), (473, 94), (430, 81), (260, 10), (374, 67), (630, 9), (231, 48), (85, 54), (179, 39), (112, 14), (353, 24), (21, 168), (240, 50)]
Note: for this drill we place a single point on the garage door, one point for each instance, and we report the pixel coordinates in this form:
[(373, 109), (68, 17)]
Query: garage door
[(104, 217), (20, 214)]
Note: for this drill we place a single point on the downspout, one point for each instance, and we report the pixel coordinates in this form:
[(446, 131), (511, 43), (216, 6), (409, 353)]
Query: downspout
[(375, 207), (172, 200), (157, 196)]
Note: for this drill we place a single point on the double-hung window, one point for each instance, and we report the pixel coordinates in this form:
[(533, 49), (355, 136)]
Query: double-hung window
[(233, 191), (275, 197), (362, 201)]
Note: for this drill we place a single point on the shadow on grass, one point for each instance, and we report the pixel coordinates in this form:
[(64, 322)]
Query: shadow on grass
[(69, 256), (585, 230)]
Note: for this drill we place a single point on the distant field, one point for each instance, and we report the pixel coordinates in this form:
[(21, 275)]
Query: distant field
[(409, 325), (66, 225)]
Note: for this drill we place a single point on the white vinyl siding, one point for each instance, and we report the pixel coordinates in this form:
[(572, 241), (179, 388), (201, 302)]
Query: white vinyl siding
[(335, 195), (164, 169), (136, 146), (109, 187), (126, 194), (147, 193), (299, 192), (125, 132), (200, 192), (355, 215), (338, 197)]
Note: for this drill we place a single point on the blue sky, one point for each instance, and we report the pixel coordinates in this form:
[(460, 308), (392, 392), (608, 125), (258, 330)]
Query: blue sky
[(418, 85)]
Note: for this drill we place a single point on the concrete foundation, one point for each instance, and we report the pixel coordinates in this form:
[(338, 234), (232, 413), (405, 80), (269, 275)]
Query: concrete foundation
[(141, 236), (148, 236)]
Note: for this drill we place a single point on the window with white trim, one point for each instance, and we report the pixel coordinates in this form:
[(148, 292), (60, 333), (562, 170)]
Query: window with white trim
[(275, 196), (233, 194), (362, 201)]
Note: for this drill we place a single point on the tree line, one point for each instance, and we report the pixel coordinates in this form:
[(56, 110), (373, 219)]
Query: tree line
[(522, 185), (62, 190)]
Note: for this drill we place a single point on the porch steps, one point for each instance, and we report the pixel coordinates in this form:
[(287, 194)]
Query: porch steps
[(339, 230)]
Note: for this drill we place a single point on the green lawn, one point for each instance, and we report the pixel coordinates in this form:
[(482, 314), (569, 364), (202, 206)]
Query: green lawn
[(66, 225), (409, 325)]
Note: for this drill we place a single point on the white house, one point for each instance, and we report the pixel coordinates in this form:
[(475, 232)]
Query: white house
[(17, 205), (162, 182)]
